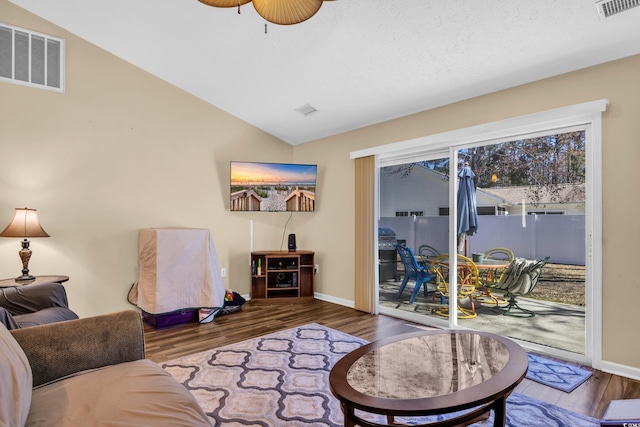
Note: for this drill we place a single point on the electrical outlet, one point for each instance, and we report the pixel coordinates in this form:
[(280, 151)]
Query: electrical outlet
[(316, 269), (223, 272)]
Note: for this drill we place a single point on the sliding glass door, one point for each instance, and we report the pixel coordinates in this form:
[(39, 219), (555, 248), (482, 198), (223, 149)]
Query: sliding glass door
[(529, 209), (412, 198)]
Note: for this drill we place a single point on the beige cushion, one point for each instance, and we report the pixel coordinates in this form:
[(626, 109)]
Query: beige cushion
[(138, 393), (16, 381)]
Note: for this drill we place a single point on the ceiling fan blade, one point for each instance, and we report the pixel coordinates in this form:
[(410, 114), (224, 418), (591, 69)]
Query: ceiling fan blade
[(287, 12)]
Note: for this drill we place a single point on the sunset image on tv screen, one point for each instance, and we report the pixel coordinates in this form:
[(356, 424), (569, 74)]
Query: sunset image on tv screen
[(273, 187)]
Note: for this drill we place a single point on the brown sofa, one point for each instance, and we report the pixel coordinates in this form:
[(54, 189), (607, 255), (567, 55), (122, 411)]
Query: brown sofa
[(31, 305), (89, 372)]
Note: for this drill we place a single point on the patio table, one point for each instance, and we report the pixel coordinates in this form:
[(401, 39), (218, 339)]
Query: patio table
[(489, 273), (488, 269)]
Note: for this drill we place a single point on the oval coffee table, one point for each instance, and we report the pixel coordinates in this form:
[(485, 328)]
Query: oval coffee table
[(429, 373)]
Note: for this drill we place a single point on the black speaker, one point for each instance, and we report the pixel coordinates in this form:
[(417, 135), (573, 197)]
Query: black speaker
[(292, 242)]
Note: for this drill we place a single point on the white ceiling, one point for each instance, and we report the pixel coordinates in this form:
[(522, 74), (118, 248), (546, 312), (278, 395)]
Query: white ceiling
[(358, 62)]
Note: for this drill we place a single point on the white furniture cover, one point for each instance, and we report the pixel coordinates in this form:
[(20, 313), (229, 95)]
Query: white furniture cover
[(178, 270)]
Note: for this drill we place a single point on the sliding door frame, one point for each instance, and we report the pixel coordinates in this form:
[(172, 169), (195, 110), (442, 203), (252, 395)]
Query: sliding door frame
[(589, 115)]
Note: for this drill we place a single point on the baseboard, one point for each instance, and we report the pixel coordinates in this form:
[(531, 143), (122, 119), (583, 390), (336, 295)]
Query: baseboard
[(322, 297), (329, 298), (622, 370)]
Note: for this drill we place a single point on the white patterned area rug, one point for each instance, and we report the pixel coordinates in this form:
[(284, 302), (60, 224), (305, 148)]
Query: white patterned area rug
[(279, 380), (282, 380)]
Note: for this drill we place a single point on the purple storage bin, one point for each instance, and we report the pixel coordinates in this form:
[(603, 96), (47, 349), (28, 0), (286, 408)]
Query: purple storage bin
[(170, 319)]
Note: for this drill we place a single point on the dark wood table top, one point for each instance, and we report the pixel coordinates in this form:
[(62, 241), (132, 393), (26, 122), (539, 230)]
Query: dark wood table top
[(37, 280), (428, 372)]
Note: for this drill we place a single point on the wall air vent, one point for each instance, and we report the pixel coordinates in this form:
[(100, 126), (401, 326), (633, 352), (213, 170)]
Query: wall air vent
[(306, 109), (606, 8), (31, 59)]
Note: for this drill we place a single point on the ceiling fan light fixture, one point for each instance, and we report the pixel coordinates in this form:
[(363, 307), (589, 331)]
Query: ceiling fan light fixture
[(287, 12), (224, 3), (281, 12)]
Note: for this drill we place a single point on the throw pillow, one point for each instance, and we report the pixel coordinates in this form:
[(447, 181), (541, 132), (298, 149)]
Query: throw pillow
[(16, 381)]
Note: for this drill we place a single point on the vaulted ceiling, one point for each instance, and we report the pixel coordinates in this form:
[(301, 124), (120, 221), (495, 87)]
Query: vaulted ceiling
[(357, 62)]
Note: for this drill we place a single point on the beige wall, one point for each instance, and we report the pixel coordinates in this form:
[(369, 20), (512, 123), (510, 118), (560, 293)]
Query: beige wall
[(616, 81), (122, 150), (119, 151)]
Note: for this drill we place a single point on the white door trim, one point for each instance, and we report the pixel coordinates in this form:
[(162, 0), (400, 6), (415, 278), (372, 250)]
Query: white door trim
[(587, 114)]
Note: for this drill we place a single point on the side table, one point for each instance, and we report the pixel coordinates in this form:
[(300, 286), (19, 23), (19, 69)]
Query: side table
[(38, 279)]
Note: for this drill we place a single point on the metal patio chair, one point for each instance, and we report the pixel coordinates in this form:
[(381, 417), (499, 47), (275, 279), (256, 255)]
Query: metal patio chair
[(426, 252), (500, 254), (520, 279), (489, 277), (468, 280)]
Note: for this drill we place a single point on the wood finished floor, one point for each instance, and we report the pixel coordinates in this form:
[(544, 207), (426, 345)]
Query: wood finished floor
[(591, 398)]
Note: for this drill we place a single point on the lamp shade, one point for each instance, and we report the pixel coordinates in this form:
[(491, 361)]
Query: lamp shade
[(24, 224)]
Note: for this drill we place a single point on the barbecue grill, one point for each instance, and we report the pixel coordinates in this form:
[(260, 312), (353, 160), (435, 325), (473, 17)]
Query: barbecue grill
[(387, 255)]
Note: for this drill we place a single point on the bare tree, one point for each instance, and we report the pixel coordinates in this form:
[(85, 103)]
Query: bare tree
[(544, 164)]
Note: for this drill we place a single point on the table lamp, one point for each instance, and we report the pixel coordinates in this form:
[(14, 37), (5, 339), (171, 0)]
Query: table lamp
[(24, 224)]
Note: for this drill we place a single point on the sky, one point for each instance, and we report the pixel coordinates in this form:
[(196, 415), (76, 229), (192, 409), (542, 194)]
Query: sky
[(247, 173)]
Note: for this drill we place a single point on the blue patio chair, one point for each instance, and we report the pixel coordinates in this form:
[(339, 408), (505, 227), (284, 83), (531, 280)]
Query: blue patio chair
[(413, 270)]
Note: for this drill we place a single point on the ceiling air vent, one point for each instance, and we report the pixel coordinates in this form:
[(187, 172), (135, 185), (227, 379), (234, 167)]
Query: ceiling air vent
[(606, 8), (307, 109)]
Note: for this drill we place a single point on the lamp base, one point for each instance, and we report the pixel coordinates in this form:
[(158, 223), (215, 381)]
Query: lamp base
[(25, 256)]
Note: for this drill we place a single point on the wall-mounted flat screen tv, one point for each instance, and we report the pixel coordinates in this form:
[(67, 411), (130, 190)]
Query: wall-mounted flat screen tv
[(273, 187)]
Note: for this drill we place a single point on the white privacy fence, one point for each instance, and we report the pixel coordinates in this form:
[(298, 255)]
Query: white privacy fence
[(562, 237)]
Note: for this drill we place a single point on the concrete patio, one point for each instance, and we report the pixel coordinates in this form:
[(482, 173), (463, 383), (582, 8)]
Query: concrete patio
[(556, 325)]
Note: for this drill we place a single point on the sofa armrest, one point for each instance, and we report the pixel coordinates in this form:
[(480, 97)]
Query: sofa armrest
[(31, 298), (7, 319), (60, 349)]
